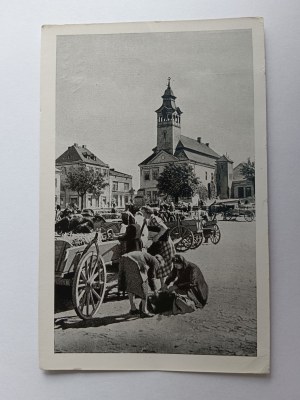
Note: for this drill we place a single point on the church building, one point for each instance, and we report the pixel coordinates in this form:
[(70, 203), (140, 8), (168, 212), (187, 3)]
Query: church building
[(214, 171)]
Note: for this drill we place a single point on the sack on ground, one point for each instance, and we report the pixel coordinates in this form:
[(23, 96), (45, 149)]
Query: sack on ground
[(161, 303), (182, 305)]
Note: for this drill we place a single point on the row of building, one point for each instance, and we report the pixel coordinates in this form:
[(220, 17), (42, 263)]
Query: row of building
[(117, 193), (215, 171)]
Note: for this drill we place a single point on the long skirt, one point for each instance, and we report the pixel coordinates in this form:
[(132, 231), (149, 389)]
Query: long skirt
[(131, 279)]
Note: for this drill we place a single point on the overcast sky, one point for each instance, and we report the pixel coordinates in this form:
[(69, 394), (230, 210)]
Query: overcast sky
[(109, 86)]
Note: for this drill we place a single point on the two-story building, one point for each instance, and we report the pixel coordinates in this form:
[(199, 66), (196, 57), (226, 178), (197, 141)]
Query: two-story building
[(120, 188), (77, 156), (119, 185), (242, 187)]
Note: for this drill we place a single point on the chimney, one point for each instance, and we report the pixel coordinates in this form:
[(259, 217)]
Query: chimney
[(76, 144), (199, 139), (207, 144), (84, 146)]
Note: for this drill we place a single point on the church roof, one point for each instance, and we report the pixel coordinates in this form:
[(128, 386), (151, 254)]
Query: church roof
[(196, 157), (194, 146), (148, 159), (167, 157), (190, 149), (77, 153)]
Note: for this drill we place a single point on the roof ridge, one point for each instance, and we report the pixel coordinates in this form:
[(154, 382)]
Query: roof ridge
[(197, 146)]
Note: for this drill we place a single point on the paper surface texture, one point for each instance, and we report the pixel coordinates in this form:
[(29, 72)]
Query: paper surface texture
[(128, 100)]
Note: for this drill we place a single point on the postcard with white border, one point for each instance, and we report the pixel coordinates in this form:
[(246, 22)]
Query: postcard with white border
[(153, 197)]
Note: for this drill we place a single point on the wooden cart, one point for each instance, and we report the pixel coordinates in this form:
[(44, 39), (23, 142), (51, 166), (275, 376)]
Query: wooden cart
[(189, 233), (80, 262)]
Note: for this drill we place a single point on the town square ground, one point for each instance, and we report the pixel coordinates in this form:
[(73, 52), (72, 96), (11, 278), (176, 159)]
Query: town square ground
[(225, 326)]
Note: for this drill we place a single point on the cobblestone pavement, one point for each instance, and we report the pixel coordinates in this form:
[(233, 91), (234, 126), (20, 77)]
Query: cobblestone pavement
[(226, 326)]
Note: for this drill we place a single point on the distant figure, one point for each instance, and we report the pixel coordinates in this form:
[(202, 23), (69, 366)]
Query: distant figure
[(200, 203), (57, 212), (113, 209)]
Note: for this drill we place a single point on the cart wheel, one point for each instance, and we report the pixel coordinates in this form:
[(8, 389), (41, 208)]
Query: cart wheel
[(215, 235), (198, 237), (249, 216), (89, 285), (182, 237)]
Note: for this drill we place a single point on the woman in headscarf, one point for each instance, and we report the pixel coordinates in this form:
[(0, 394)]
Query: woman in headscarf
[(188, 281), (161, 242), (132, 236)]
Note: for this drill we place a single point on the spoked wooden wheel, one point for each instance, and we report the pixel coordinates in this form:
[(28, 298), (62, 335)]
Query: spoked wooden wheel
[(198, 238), (215, 235), (89, 284), (182, 237), (249, 216)]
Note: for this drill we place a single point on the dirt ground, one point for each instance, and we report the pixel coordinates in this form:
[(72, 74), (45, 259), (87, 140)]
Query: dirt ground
[(225, 326)]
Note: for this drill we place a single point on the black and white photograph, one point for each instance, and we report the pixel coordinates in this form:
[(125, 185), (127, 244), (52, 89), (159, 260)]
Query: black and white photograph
[(154, 231)]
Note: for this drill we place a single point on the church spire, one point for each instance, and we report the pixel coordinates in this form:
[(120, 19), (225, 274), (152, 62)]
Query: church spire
[(169, 106), (168, 121)]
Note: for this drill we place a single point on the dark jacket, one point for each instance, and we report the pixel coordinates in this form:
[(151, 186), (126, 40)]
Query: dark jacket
[(190, 280), (132, 237)]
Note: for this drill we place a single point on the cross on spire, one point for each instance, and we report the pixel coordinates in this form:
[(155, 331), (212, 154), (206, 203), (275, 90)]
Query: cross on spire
[(169, 82)]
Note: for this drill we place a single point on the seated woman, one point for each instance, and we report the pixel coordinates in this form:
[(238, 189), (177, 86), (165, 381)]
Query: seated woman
[(136, 276), (188, 281)]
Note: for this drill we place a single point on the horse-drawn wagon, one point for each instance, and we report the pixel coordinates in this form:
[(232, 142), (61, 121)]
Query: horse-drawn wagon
[(232, 209)]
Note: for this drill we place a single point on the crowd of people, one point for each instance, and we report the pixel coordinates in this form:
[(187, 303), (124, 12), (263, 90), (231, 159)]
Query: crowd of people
[(149, 267), (151, 270)]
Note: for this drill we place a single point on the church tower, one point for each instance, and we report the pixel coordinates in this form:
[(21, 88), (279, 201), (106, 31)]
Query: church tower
[(168, 122)]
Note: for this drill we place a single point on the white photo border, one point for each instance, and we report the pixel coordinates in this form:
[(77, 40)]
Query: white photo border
[(49, 360)]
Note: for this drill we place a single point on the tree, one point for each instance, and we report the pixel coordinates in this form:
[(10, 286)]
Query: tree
[(83, 180), (178, 180), (248, 171)]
